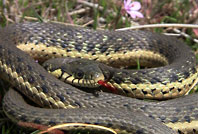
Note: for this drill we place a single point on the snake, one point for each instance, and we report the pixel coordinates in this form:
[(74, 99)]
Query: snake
[(173, 74)]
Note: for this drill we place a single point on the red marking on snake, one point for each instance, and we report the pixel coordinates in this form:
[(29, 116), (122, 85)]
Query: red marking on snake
[(108, 86)]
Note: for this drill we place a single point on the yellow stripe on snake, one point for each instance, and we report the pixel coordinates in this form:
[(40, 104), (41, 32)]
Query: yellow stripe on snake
[(176, 75)]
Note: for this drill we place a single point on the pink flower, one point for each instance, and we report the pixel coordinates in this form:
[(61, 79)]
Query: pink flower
[(132, 8)]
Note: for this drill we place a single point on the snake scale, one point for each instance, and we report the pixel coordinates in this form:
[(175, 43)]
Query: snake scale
[(175, 76)]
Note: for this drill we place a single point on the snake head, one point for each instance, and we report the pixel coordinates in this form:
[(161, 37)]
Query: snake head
[(78, 72)]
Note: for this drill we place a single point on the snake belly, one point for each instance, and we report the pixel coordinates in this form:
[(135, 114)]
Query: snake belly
[(123, 114)]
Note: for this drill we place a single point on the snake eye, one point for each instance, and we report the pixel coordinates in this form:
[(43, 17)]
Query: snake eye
[(79, 74)]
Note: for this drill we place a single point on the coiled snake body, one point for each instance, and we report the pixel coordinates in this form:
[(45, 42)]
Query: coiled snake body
[(124, 114)]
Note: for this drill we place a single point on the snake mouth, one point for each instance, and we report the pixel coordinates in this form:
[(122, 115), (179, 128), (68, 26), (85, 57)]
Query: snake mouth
[(107, 85)]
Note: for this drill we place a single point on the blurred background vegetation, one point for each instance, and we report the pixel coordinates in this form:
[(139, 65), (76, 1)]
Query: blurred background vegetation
[(99, 14)]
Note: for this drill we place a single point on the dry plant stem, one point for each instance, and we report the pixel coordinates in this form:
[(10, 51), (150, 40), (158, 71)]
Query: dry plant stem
[(4, 5), (79, 11), (184, 34), (46, 12), (17, 10), (172, 34), (165, 25), (179, 33), (67, 125), (28, 18), (90, 4), (5, 12), (90, 22), (174, 25), (67, 14)]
